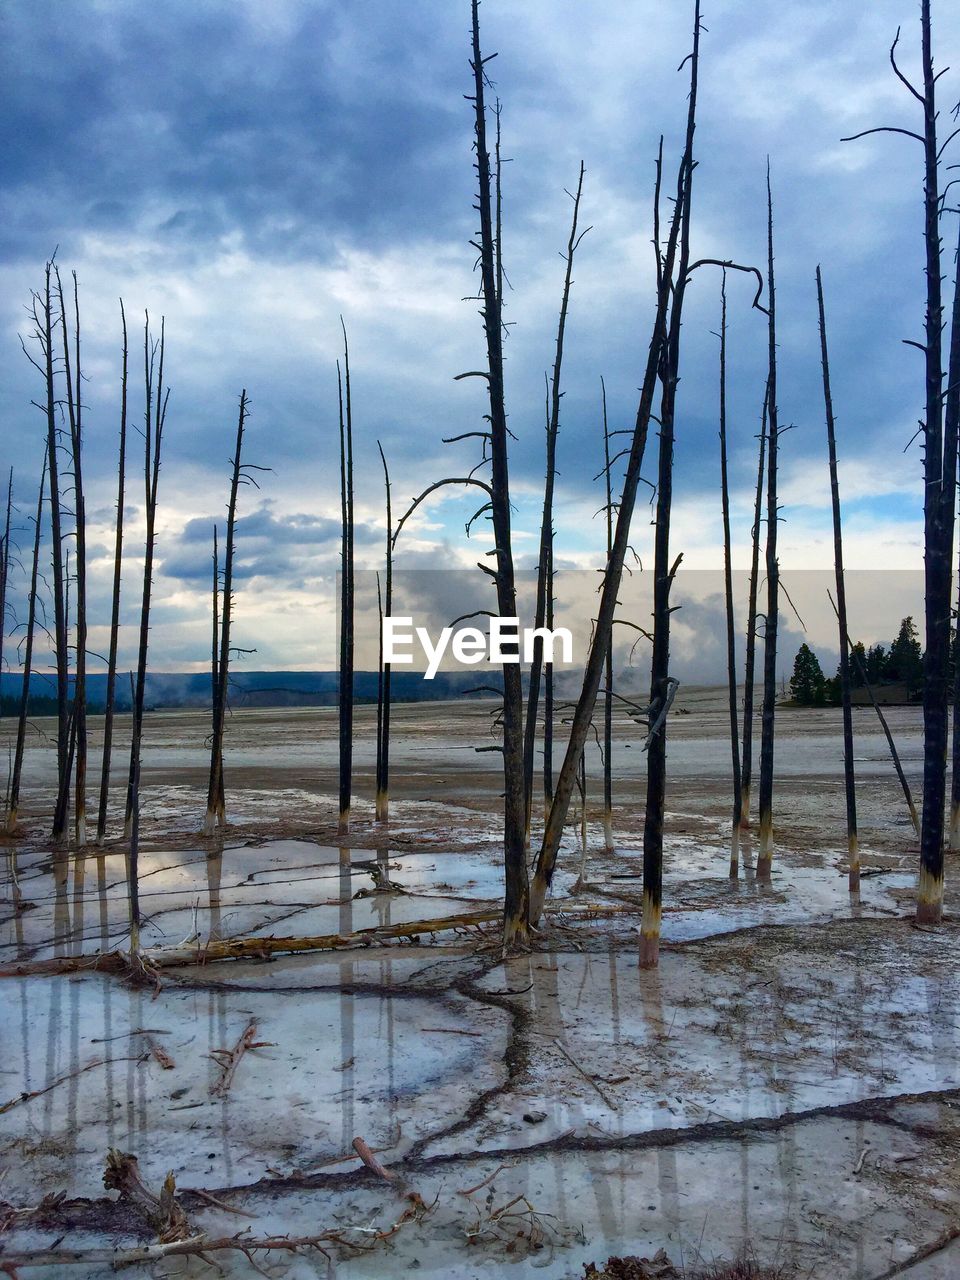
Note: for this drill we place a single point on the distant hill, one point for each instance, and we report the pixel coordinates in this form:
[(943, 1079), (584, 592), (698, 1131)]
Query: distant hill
[(257, 688)]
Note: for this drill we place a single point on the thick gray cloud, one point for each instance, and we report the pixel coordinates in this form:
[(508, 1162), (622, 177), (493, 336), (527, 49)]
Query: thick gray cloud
[(253, 170)]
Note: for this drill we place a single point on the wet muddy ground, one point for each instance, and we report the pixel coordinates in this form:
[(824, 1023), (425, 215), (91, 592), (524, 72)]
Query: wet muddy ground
[(785, 1087)]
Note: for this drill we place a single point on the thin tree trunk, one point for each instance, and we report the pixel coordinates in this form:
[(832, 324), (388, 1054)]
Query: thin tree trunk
[(663, 570), (746, 772), (597, 655), (546, 523), (220, 801), (74, 384), (767, 726), (111, 692), (215, 800), (850, 790), (383, 700), (608, 691), (154, 418), (56, 535), (5, 571), (345, 694), (14, 802), (728, 594), (951, 429), (133, 857), (516, 895), (940, 465)]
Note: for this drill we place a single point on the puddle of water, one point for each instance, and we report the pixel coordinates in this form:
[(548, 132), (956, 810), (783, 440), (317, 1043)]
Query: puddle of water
[(387, 1067), (72, 904)]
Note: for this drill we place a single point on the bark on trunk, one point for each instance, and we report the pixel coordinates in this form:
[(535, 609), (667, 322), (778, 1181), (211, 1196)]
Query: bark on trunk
[(546, 523), (216, 806), (74, 383), (767, 727), (940, 464), (728, 594), (111, 691), (608, 691), (850, 791), (597, 654), (154, 418), (14, 801), (345, 687), (749, 675), (663, 570), (516, 896), (383, 701)]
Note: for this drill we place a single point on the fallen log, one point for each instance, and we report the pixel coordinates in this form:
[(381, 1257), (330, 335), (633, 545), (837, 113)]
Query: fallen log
[(263, 948)]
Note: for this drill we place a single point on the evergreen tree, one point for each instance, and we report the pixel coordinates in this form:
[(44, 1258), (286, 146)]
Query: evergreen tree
[(807, 684), (876, 663), (904, 663), (858, 664)]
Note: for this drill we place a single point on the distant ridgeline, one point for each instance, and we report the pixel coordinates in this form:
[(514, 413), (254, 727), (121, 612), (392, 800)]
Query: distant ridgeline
[(167, 690)]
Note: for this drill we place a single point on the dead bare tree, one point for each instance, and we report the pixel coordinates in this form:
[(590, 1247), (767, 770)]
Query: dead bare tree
[(74, 401), (728, 595), (44, 323), (771, 617), (951, 417), (608, 673), (546, 524), (156, 399), (345, 685), (216, 804), (850, 791), (746, 772), (664, 570), (13, 803), (221, 801), (939, 435), (516, 894), (5, 569), (597, 654), (383, 682), (111, 690)]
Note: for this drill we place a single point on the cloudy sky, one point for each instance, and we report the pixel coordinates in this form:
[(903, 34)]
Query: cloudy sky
[(254, 169)]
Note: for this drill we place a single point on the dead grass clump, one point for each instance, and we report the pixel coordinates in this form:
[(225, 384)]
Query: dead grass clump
[(659, 1267)]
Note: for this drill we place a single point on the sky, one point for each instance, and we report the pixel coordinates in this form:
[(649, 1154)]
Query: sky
[(253, 170)]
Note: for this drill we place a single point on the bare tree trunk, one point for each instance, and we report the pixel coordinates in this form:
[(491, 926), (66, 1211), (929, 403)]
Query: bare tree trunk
[(728, 594), (133, 857), (597, 655), (74, 385), (221, 801), (154, 418), (951, 430), (44, 331), (850, 790), (5, 570), (767, 726), (546, 523), (663, 570), (516, 896), (746, 772), (345, 694), (383, 699), (940, 470), (110, 701), (215, 800), (14, 801), (608, 691)]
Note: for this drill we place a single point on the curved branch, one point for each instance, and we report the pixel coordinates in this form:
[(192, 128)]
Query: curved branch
[(432, 489), (727, 265), (884, 128)]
